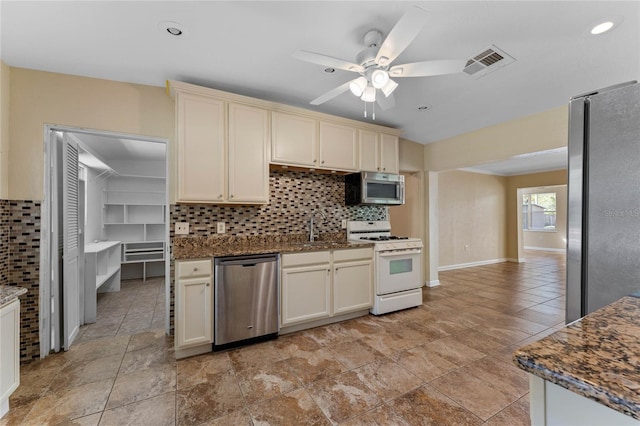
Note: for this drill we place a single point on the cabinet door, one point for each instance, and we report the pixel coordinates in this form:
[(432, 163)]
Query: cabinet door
[(306, 293), (201, 148), (352, 286), (9, 349), (338, 147), (369, 151), (194, 312), (294, 139), (389, 153), (248, 148)]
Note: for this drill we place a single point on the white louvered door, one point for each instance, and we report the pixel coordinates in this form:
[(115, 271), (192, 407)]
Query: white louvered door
[(70, 250)]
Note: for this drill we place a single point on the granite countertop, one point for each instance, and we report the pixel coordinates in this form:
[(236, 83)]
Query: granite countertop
[(201, 247), (597, 356), (10, 292)]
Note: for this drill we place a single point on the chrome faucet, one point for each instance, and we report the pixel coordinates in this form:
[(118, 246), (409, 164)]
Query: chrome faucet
[(312, 214)]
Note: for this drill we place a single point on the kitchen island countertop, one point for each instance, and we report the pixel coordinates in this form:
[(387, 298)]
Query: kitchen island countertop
[(597, 356), (10, 292), (205, 247)]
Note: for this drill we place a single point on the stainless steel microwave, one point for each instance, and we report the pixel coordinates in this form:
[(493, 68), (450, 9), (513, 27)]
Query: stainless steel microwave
[(382, 189)]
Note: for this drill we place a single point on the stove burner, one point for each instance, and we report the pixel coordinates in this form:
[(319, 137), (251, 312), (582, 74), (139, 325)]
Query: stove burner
[(385, 238)]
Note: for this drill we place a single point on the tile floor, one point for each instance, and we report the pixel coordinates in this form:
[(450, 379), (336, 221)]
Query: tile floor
[(445, 362)]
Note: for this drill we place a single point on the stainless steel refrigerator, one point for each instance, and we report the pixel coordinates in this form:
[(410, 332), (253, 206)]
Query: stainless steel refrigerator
[(603, 247)]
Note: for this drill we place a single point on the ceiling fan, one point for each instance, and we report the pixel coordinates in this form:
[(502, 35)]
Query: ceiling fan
[(374, 63)]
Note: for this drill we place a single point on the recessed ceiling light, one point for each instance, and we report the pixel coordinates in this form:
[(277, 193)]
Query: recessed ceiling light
[(329, 70), (424, 107), (171, 28), (603, 25)]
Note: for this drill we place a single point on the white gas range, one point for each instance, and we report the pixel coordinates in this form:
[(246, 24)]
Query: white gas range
[(398, 265)]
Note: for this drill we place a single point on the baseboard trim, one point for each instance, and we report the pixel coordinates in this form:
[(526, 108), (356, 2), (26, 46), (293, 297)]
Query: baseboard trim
[(552, 250), (434, 283), (471, 264)]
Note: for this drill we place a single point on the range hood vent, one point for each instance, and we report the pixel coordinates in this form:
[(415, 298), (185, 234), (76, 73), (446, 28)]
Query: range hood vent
[(488, 61)]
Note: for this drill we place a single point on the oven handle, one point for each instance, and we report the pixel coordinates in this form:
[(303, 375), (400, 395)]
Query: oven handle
[(390, 253)]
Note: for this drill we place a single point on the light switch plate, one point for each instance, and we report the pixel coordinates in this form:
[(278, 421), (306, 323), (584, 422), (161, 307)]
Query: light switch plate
[(344, 223), (221, 228), (182, 228)]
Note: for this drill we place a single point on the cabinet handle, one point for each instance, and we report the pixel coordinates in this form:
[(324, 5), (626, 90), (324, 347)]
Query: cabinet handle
[(220, 196), (195, 269), (231, 196), (315, 161), (207, 284), (337, 270), (378, 168), (322, 162)]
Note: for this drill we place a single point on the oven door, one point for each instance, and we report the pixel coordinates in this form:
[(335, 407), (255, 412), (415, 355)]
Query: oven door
[(398, 270)]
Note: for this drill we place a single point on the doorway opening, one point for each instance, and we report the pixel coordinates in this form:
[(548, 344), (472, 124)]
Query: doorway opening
[(104, 240)]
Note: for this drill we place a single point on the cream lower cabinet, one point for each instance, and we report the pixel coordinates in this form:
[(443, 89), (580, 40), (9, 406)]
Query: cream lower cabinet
[(323, 284), (193, 307), (352, 280), (9, 352), (305, 287), (222, 148)]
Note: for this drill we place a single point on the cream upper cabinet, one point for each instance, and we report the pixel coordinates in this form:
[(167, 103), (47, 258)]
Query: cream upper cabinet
[(294, 139), (222, 151), (201, 134), (248, 154), (389, 153), (369, 150), (338, 146), (378, 152)]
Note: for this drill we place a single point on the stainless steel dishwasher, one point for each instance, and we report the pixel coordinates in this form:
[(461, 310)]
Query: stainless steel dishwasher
[(246, 299)]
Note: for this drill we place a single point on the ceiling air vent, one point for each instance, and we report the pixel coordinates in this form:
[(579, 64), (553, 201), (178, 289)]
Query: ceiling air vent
[(490, 60)]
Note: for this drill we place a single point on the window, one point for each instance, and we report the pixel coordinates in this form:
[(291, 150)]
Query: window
[(539, 211)]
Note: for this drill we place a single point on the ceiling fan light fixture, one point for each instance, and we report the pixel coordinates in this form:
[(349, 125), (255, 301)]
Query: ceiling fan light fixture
[(369, 94), (358, 86), (379, 78), (388, 88)]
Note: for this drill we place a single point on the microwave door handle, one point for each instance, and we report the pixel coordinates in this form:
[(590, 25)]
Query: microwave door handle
[(401, 193)]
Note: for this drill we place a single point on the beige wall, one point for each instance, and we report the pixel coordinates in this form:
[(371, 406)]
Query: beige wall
[(558, 177), (472, 216), (39, 98), (537, 132), (411, 156), (5, 75)]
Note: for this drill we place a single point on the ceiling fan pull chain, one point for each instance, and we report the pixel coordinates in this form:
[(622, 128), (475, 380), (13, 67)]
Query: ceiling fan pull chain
[(365, 110), (373, 108)]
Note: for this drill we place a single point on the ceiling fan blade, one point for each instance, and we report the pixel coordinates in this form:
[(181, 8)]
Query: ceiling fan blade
[(428, 68), (385, 102), (327, 61), (402, 34), (331, 94)]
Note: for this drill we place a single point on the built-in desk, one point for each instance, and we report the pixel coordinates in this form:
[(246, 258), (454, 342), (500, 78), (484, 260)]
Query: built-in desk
[(101, 272)]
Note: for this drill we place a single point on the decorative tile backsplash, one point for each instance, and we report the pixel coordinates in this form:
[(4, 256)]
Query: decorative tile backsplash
[(22, 247), (293, 195), (5, 219)]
